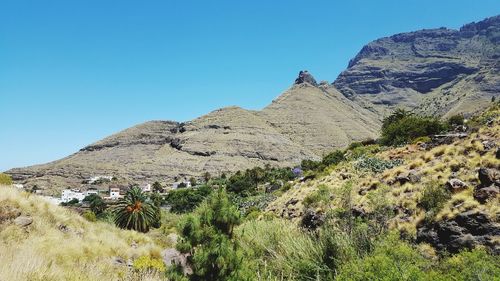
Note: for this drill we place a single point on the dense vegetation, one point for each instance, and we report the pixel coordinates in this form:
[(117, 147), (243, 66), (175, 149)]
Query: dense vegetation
[(402, 127)]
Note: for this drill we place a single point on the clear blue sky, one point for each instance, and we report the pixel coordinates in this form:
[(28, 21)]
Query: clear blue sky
[(73, 72)]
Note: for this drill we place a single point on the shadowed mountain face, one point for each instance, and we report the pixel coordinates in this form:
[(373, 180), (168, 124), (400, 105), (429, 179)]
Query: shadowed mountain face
[(436, 71), (305, 122)]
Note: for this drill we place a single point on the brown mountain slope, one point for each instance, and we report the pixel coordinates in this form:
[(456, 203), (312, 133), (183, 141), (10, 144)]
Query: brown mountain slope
[(304, 123), (320, 118)]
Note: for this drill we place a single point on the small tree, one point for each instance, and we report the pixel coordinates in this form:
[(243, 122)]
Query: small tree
[(135, 212), (207, 236), (207, 176), (157, 187), (402, 127)]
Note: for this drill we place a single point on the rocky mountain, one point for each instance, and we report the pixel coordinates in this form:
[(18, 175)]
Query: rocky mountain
[(305, 122), (436, 71)]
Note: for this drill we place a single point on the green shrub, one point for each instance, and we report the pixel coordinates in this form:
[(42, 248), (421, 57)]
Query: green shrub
[(468, 265), (360, 151), (392, 259), (333, 158), (424, 139), (456, 120), (318, 197), (147, 263), (402, 127), (5, 179), (376, 165), (187, 199), (311, 165), (90, 216), (433, 198)]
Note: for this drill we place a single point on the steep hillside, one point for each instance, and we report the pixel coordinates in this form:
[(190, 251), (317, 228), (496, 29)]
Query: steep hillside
[(304, 123), (443, 191), (40, 241), (319, 118), (437, 71)]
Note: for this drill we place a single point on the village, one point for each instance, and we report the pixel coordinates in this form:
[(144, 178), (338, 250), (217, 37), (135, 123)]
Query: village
[(111, 193)]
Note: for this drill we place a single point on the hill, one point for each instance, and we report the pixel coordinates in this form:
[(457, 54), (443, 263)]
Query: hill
[(303, 123)]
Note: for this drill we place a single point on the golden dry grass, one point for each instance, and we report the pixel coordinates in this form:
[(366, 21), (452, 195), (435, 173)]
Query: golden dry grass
[(61, 245)]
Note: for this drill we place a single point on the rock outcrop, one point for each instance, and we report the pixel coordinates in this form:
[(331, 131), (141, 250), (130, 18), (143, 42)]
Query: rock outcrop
[(466, 230), (305, 77), (439, 71)]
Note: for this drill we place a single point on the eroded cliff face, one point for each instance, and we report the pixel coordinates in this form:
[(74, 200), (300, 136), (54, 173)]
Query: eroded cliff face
[(436, 71)]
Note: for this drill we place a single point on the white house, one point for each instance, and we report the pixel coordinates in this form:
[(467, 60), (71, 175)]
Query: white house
[(146, 188), (96, 178), (175, 185), (70, 194), (114, 193)]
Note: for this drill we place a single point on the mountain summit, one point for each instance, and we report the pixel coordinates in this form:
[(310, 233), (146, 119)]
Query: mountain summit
[(305, 77)]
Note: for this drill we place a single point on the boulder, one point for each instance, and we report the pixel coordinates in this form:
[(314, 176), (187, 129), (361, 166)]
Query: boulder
[(23, 221), (488, 145), (305, 77), (486, 193), (455, 185), (466, 231), (8, 213), (312, 219), (488, 177)]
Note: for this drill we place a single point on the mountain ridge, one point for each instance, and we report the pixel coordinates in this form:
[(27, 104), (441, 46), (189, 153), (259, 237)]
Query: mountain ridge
[(435, 71)]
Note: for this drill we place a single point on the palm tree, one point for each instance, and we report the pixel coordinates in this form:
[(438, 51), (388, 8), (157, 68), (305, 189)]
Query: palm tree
[(135, 212)]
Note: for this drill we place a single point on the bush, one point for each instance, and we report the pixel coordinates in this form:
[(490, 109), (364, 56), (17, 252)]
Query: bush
[(310, 165), (147, 263), (392, 259), (376, 165), (90, 216), (5, 179), (402, 127), (456, 120), (97, 204), (434, 196), (468, 265), (333, 158), (318, 197), (186, 200)]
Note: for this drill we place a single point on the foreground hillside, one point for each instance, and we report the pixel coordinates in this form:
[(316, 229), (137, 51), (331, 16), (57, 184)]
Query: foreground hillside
[(39, 241), (424, 210), (442, 191)]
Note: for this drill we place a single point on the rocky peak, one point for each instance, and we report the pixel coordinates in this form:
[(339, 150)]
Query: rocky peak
[(305, 77)]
